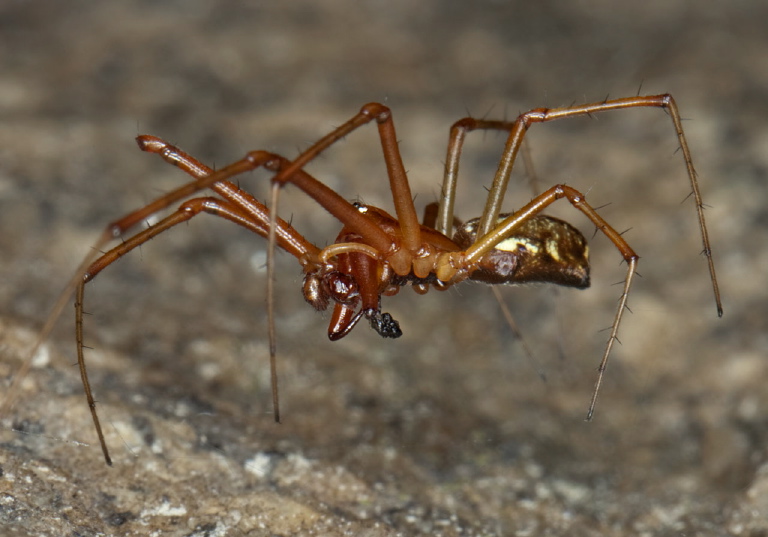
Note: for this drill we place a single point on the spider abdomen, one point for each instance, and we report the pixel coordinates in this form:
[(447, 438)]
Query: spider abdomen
[(543, 249)]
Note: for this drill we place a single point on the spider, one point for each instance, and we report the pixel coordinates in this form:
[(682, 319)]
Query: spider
[(376, 253)]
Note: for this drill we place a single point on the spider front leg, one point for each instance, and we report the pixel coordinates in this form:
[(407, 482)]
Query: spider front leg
[(237, 206), (205, 178), (397, 254), (186, 211)]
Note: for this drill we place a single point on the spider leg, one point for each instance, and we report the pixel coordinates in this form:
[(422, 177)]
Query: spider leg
[(508, 226), (205, 178), (241, 208), (185, 212), (291, 172), (456, 139), (517, 131), (50, 322), (400, 257), (401, 191), (217, 181), (285, 239), (541, 115), (445, 220), (345, 212), (491, 233)]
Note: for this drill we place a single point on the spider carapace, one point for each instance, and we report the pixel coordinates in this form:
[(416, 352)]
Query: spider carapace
[(377, 253)]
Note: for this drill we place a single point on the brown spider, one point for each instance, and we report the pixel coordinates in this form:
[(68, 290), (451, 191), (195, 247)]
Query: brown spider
[(376, 254)]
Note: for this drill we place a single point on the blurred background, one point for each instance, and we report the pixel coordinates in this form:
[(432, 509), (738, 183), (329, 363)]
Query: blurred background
[(448, 430)]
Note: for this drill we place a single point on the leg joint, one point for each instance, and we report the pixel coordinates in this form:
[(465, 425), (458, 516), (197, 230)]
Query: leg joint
[(377, 111)]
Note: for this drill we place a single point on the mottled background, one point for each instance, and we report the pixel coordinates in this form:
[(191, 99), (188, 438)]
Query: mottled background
[(448, 430)]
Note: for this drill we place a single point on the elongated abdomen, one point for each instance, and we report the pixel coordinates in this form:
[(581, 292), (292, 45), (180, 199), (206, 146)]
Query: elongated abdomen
[(543, 249)]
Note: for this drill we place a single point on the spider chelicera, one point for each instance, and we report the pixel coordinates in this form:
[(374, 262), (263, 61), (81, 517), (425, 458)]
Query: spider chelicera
[(376, 253)]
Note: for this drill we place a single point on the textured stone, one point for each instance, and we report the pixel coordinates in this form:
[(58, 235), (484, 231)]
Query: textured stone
[(448, 430)]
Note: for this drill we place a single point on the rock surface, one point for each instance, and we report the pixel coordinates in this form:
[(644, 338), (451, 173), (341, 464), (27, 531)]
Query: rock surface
[(448, 430)]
